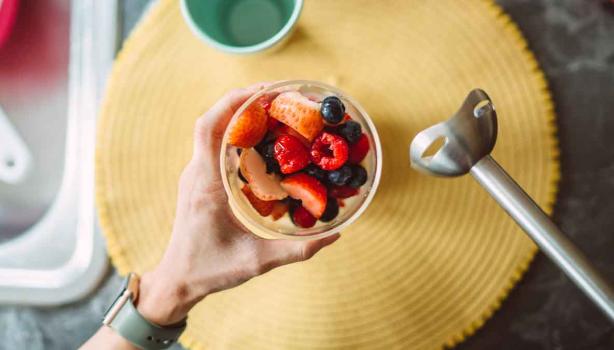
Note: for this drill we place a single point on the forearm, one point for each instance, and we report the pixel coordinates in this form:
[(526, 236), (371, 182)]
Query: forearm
[(106, 338)]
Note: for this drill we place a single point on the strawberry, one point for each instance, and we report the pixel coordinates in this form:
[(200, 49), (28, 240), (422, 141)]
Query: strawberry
[(279, 209), (283, 129), (329, 151), (302, 217), (290, 153), (298, 112), (264, 186), (307, 189), (342, 192), (265, 102), (271, 123), (359, 149), (249, 128), (264, 208)]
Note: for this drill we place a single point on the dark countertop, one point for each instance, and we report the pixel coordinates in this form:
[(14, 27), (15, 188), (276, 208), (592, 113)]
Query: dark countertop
[(574, 43)]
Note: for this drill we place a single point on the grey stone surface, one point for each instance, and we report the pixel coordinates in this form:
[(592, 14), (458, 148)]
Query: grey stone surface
[(574, 43)]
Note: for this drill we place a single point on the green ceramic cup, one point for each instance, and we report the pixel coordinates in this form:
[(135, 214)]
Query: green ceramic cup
[(241, 26)]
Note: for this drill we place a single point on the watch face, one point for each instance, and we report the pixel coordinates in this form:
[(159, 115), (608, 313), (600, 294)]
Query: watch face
[(112, 304), (121, 292)]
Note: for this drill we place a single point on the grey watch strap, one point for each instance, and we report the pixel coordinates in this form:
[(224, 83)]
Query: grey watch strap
[(135, 328), (125, 319)]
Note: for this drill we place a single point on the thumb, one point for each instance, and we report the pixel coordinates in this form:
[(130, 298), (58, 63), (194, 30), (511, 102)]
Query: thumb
[(282, 252), (209, 129)]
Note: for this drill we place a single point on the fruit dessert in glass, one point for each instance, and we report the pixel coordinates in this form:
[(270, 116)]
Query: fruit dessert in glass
[(300, 160)]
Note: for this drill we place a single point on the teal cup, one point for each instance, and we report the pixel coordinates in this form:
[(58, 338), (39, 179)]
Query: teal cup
[(242, 26)]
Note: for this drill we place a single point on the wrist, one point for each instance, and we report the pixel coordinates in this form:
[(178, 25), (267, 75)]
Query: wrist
[(164, 299)]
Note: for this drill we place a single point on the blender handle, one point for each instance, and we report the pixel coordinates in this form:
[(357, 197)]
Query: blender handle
[(544, 232)]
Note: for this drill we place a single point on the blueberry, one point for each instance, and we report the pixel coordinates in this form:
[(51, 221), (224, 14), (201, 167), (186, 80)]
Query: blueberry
[(350, 130), (241, 177), (268, 139), (359, 176), (316, 172), (331, 211), (260, 148), (340, 176), (267, 151), (272, 166), (332, 109)]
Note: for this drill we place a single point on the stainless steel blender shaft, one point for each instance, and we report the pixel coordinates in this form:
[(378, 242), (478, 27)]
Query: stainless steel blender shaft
[(468, 138), (544, 232)]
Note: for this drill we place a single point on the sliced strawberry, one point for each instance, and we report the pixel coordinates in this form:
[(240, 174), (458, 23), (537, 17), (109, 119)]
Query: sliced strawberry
[(265, 102), (279, 209), (265, 186), (342, 192), (266, 99), (291, 154), (283, 129), (264, 208), (298, 112), (359, 149), (249, 128), (309, 190), (303, 218), (329, 151)]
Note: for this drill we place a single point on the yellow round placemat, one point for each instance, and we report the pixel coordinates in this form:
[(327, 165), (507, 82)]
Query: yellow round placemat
[(431, 258)]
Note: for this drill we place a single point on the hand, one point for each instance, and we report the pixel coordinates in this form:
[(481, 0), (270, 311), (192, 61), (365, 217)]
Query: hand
[(209, 249)]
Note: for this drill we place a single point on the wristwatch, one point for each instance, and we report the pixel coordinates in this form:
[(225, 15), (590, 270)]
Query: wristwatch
[(123, 317)]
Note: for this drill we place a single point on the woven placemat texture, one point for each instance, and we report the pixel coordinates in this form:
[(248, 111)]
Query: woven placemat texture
[(430, 260)]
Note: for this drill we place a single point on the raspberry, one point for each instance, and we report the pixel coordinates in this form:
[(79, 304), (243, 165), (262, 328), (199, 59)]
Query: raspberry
[(359, 150), (301, 217), (290, 153), (283, 129), (329, 151)]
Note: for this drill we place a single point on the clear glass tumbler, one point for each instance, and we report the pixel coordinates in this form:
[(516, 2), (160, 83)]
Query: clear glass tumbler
[(284, 228)]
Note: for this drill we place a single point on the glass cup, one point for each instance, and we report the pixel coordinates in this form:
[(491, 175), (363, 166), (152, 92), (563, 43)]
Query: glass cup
[(284, 228)]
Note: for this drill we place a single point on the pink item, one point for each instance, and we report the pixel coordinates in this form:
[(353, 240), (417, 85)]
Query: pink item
[(8, 14)]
